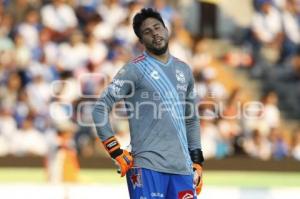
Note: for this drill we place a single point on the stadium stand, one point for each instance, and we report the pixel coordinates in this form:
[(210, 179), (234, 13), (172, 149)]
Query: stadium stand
[(57, 56)]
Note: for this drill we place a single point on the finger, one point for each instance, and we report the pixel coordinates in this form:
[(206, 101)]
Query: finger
[(119, 171), (198, 182)]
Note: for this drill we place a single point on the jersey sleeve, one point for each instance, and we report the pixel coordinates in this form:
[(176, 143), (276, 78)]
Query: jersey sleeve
[(191, 116), (122, 86)]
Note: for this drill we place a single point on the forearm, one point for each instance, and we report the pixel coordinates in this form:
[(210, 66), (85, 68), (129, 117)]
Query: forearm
[(193, 133), (100, 116)]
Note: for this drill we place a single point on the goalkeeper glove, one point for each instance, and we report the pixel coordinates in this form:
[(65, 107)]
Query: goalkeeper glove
[(197, 159), (198, 182), (122, 157)]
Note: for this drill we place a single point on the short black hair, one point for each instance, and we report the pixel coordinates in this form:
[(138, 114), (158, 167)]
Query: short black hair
[(142, 16)]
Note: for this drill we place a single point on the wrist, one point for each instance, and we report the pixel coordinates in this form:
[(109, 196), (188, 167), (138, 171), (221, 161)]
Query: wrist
[(197, 167), (113, 147), (197, 156)]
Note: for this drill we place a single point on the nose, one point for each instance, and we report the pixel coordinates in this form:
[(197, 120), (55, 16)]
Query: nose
[(155, 34)]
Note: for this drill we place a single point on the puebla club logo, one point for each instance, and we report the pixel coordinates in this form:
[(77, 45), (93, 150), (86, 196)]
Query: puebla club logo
[(180, 76)]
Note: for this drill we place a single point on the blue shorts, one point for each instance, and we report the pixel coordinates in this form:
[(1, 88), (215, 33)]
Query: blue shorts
[(147, 184)]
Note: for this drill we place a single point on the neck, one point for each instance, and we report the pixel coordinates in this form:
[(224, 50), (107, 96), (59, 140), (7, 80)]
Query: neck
[(163, 58)]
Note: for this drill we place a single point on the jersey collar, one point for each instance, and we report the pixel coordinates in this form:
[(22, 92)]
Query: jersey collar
[(158, 61)]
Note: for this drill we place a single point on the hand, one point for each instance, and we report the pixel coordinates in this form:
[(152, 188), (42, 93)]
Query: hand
[(122, 157), (125, 162), (198, 181)]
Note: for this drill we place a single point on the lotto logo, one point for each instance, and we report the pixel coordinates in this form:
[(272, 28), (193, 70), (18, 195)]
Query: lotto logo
[(112, 144), (188, 194)]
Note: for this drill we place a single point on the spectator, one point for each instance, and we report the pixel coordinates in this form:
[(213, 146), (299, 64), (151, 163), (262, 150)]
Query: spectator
[(279, 145), (201, 55), (22, 108), (229, 130), (271, 113), (59, 18), (91, 79), (258, 146), (266, 30), (102, 30), (66, 90), (22, 7), (180, 41), (232, 109), (290, 21), (9, 91), (47, 48), (296, 144), (285, 80), (23, 141), (85, 10), (208, 18), (210, 139), (40, 93), (8, 129), (41, 67), (252, 121), (6, 24), (98, 51), (167, 12), (22, 55), (279, 4), (112, 12), (29, 29), (73, 54), (124, 33), (210, 87)]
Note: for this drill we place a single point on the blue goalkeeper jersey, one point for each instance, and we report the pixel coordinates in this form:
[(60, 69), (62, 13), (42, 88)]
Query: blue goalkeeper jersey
[(161, 110)]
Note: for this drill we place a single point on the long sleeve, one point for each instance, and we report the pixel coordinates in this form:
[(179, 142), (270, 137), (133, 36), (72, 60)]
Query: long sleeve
[(192, 120), (121, 87)]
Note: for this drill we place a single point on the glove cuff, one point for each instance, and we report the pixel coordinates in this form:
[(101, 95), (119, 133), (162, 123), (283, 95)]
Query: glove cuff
[(197, 167), (113, 147), (197, 156)]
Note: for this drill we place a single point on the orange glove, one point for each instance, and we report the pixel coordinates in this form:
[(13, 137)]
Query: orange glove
[(122, 157), (198, 159), (198, 181)]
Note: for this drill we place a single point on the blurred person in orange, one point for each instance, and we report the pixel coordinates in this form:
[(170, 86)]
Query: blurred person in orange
[(296, 144), (62, 164)]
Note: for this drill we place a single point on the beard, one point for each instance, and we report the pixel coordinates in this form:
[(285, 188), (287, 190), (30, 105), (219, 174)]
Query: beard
[(158, 51)]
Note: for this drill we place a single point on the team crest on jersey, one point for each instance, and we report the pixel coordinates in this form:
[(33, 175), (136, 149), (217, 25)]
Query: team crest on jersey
[(188, 194), (180, 76), (154, 74), (136, 178)]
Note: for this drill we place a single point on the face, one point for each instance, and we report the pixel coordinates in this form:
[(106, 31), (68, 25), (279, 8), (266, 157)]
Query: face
[(266, 7), (154, 36)]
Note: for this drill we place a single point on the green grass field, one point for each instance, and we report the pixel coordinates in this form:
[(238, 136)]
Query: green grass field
[(211, 178)]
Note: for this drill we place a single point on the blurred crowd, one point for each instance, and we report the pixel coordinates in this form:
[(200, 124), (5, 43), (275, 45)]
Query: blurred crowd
[(269, 50), (56, 57)]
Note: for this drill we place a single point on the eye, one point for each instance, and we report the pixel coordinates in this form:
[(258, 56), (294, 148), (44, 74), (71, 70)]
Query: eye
[(146, 32)]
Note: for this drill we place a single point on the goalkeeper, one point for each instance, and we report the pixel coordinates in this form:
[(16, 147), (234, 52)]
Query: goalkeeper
[(157, 88)]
